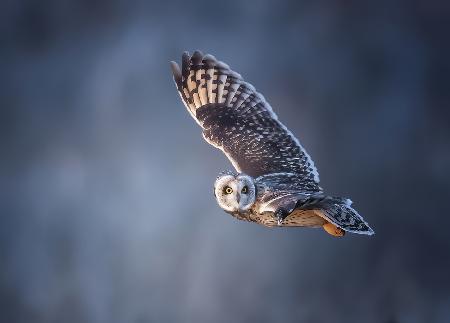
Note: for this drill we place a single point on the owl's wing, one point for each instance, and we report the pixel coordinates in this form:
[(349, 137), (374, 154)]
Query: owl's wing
[(239, 121), (336, 210)]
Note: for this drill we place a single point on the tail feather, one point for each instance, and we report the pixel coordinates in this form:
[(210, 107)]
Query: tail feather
[(338, 211), (347, 218)]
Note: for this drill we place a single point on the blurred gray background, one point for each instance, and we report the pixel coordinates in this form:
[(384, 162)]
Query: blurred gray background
[(107, 211)]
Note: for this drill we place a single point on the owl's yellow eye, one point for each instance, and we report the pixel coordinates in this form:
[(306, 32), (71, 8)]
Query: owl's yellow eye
[(244, 190), (228, 190)]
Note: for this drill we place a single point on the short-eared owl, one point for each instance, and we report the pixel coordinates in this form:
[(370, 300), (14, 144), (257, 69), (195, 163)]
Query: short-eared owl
[(276, 183)]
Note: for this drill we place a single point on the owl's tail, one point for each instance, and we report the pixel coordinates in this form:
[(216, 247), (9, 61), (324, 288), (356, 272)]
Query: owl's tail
[(340, 214)]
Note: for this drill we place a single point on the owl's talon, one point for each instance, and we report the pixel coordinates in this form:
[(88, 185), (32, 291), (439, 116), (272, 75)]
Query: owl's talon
[(281, 214), (279, 222)]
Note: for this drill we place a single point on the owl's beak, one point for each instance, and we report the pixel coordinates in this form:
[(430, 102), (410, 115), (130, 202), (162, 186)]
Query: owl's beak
[(238, 198)]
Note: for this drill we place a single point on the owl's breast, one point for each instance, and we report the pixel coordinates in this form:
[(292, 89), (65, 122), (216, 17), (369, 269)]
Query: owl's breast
[(244, 216), (297, 218)]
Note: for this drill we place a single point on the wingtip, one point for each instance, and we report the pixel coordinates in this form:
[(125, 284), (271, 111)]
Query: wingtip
[(197, 55), (185, 62), (175, 71), (186, 54), (209, 57)]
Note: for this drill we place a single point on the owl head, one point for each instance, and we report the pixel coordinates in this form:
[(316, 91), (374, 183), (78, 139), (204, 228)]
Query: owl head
[(235, 192)]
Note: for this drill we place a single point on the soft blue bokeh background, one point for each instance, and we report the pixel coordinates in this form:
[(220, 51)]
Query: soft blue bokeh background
[(107, 211)]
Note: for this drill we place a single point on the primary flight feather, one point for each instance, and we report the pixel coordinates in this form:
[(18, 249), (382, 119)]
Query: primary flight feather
[(277, 183)]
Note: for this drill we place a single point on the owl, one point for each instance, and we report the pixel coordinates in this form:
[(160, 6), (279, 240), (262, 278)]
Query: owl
[(275, 182)]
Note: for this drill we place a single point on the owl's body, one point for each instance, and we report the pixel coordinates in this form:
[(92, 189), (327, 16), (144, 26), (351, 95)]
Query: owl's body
[(277, 183)]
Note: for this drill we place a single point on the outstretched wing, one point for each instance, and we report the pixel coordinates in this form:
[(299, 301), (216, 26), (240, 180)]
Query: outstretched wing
[(239, 121)]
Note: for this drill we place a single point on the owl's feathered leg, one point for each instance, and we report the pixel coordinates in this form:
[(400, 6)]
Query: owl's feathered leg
[(333, 230), (280, 215)]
